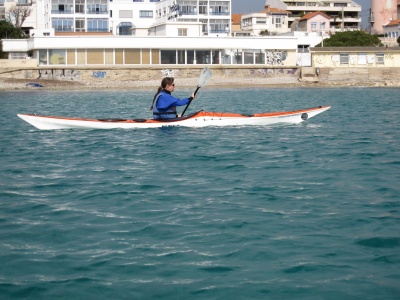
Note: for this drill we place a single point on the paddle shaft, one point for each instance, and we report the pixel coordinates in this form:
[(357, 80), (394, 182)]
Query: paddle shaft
[(190, 101)]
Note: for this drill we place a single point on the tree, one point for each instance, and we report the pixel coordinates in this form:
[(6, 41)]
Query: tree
[(264, 32), (8, 31), (398, 40), (18, 14), (352, 39)]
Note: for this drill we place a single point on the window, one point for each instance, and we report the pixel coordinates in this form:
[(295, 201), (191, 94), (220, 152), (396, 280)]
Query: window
[(97, 7), (219, 26), (18, 55), (57, 56), (380, 58), (182, 32), (313, 26), (124, 28), (219, 8), (168, 57), (79, 6), (80, 25), (2, 13), (278, 22), (62, 6), (203, 8), (146, 13), (344, 58), (62, 25), (97, 25), (322, 26)]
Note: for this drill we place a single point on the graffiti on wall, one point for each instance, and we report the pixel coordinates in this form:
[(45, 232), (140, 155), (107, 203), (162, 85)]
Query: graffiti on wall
[(59, 74), (276, 57), (169, 73), (273, 72), (99, 74)]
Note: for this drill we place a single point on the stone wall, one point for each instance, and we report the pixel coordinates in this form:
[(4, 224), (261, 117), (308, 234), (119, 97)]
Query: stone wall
[(364, 75), (142, 73)]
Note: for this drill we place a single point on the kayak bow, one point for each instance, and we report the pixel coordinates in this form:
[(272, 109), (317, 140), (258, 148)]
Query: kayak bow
[(198, 119)]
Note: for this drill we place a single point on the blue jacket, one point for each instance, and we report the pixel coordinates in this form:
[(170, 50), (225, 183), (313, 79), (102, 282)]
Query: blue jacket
[(165, 105)]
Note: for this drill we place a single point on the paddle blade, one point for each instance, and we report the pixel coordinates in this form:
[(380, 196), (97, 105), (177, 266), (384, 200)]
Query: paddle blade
[(204, 77)]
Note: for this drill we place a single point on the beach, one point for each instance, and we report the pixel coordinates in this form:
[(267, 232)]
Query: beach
[(8, 84)]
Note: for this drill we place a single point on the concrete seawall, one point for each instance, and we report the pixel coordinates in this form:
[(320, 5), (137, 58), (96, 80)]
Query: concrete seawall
[(231, 75)]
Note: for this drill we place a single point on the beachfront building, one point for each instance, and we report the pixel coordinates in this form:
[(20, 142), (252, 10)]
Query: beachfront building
[(344, 14), (140, 17), (110, 50)]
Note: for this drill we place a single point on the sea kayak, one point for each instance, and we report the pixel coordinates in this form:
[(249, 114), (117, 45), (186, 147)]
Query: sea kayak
[(198, 119)]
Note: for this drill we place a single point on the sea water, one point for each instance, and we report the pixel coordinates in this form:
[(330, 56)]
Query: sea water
[(307, 211)]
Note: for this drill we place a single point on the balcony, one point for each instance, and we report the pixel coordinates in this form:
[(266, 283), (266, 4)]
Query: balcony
[(96, 12), (63, 11), (24, 3)]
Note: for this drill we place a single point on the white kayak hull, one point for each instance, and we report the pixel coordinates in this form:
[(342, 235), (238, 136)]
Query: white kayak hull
[(198, 119)]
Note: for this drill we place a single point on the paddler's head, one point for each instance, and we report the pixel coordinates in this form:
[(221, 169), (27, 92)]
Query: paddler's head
[(168, 84)]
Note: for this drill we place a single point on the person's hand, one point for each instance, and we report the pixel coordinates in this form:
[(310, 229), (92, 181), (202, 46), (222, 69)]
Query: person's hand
[(193, 95)]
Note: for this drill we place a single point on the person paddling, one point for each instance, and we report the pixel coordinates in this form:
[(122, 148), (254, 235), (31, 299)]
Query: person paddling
[(164, 104)]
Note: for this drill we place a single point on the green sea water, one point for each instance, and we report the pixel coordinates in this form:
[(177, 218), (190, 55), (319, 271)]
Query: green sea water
[(307, 211)]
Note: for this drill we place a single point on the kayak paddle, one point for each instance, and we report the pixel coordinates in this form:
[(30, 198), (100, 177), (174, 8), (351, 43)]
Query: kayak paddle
[(205, 76)]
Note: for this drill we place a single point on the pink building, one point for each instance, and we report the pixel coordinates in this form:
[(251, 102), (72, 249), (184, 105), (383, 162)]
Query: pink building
[(382, 13), (314, 22)]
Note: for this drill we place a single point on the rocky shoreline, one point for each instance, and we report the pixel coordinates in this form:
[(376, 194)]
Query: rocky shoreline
[(7, 84)]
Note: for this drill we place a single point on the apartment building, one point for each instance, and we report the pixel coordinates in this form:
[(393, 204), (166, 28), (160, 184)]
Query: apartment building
[(383, 12), (128, 17), (344, 14)]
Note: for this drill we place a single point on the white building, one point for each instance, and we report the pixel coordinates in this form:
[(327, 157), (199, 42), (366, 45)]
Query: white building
[(148, 32), (270, 20), (131, 17), (344, 14)]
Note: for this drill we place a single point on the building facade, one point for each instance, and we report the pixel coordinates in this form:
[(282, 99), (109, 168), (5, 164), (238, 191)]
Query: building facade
[(382, 13), (344, 14), (270, 21), (127, 17)]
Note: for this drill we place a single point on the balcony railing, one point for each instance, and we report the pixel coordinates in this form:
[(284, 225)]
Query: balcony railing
[(63, 29), (64, 11), (216, 13), (97, 30), (24, 2), (97, 12)]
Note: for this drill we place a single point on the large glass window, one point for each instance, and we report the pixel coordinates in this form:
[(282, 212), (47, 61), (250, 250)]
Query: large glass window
[(190, 57), (57, 56), (79, 6), (62, 25), (80, 25), (203, 57), (203, 8), (219, 26), (42, 57), (168, 57), (188, 7), (97, 25), (237, 57), (62, 6), (97, 7), (219, 8)]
